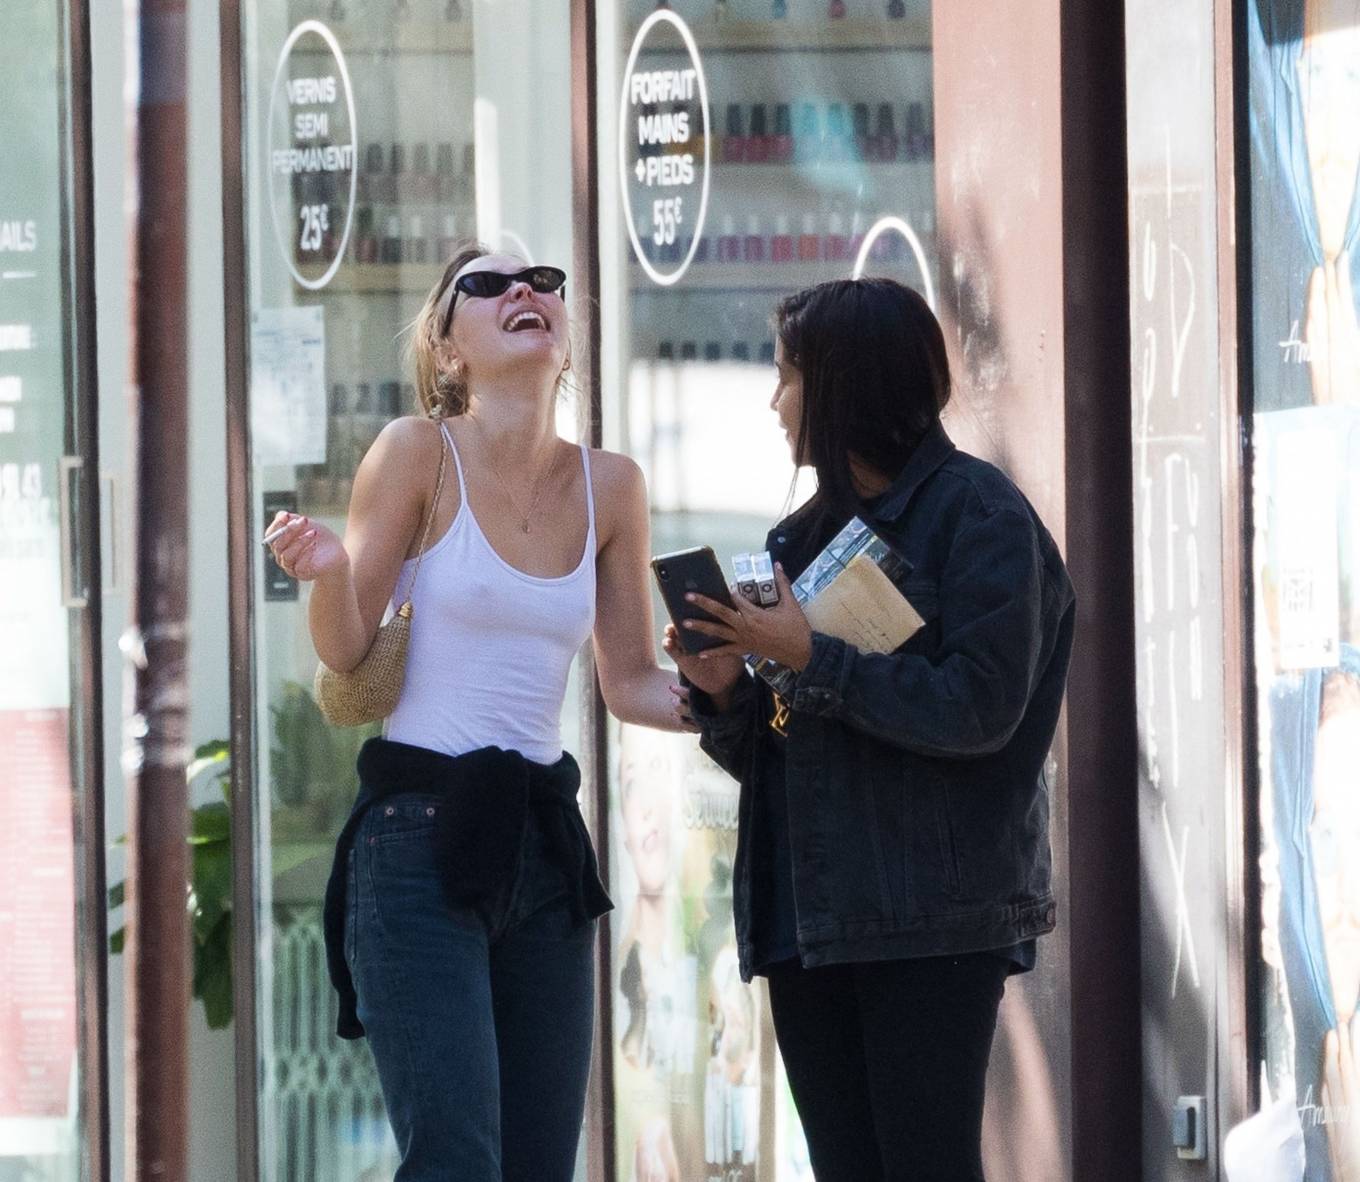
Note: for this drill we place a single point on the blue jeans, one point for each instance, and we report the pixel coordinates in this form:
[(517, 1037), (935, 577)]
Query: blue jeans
[(480, 1020)]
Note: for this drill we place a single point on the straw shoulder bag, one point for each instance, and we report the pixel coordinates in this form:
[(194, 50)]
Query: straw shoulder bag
[(369, 692)]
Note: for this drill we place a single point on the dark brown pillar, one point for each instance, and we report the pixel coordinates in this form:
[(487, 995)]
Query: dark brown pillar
[(157, 944)]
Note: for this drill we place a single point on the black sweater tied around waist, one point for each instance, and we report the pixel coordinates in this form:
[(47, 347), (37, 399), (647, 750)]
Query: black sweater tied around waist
[(479, 834)]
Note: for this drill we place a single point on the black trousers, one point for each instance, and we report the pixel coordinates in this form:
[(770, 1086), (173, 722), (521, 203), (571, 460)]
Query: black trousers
[(887, 1062)]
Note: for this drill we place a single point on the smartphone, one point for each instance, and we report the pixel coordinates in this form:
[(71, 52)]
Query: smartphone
[(680, 573)]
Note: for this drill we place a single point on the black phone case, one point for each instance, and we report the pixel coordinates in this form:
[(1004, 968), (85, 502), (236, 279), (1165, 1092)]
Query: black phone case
[(691, 570)]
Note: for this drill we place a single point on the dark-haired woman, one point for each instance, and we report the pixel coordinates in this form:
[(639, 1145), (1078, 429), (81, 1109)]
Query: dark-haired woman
[(893, 863), (460, 914)]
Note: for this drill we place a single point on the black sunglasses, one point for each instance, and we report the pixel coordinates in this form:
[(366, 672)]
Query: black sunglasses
[(480, 284)]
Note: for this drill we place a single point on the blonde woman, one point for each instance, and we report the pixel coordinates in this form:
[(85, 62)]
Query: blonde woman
[(461, 909)]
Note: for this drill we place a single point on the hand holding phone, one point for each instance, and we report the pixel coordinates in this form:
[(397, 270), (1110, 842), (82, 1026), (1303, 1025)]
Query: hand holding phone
[(684, 571)]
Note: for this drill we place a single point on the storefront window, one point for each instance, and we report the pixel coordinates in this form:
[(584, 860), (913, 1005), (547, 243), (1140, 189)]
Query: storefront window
[(379, 135), (41, 708), (749, 149), (1305, 90)]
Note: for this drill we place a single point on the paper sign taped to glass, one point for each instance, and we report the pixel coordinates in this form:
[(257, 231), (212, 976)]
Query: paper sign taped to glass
[(849, 591)]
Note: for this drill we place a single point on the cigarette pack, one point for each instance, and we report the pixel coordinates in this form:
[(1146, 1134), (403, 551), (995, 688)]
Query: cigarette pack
[(755, 578), (850, 591)]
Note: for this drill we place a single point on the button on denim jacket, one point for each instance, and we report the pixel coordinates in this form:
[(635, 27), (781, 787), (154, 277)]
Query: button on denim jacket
[(917, 794)]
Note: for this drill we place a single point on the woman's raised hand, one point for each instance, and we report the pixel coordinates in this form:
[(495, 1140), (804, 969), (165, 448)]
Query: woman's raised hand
[(306, 549)]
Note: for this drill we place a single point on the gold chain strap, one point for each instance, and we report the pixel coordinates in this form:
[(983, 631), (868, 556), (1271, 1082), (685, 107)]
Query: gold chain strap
[(429, 517)]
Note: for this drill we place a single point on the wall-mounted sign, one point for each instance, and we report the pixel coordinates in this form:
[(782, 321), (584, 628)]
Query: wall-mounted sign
[(664, 139), (312, 152)]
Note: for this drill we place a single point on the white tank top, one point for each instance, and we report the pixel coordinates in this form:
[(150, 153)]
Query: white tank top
[(491, 647)]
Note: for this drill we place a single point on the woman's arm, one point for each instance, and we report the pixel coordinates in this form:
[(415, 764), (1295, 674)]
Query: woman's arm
[(635, 688), (967, 697), (354, 580)]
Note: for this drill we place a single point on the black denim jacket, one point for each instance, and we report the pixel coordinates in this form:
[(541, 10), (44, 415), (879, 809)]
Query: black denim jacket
[(917, 793)]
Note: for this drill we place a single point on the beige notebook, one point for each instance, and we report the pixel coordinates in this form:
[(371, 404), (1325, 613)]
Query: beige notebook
[(861, 605)]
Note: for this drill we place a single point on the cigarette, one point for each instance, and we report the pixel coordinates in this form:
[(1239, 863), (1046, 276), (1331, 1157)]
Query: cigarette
[(278, 533)]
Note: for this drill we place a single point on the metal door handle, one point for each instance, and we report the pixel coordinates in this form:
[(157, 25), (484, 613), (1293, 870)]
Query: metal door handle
[(110, 549), (67, 532)]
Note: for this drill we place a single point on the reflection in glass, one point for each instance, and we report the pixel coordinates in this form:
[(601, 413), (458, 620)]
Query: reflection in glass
[(819, 128)]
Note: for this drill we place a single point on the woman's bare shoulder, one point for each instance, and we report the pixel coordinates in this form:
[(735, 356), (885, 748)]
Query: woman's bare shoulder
[(615, 472)]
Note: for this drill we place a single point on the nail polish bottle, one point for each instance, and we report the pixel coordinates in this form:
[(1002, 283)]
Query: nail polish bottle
[(467, 182), (897, 9), (689, 351), (365, 240), (363, 402), (448, 237), (859, 114), (885, 134), (665, 351), (837, 244), (712, 351), (758, 144), (886, 247), (856, 233), (371, 180), (781, 245), (741, 351), (779, 9), (701, 252), (766, 352), (734, 143), (417, 245), (422, 184), (929, 115), (453, 10), (836, 10), (838, 143), (391, 243), (753, 247), (729, 245), (445, 174), (389, 399), (781, 147), (397, 173), (339, 402), (808, 144), (809, 242), (916, 132)]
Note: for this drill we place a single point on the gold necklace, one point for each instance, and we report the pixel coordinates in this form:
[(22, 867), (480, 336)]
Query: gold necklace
[(539, 485)]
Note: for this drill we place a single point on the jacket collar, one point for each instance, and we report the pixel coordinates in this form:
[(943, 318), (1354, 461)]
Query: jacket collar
[(933, 450)]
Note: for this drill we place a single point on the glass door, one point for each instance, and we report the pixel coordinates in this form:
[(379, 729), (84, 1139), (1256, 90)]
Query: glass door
[(47, 603), (378, 135), (749, 149)]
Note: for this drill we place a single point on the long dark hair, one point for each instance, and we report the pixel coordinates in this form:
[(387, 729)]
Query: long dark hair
[(875, 379)]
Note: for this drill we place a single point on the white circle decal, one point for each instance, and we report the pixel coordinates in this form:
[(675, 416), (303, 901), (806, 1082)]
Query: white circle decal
[(882, 226), (312, 153), (656, 131)]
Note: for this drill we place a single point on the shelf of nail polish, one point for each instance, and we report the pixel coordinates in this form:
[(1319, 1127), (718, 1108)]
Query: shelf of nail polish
[(356, 412), (669, 352), (397, 36), (805, 36), (414, 278), (806, 133)]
